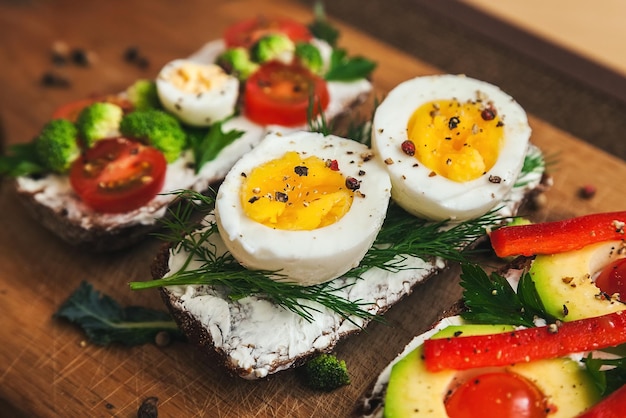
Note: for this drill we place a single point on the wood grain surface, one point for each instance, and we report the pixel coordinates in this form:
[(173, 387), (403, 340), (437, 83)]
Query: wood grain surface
[(46, 368)]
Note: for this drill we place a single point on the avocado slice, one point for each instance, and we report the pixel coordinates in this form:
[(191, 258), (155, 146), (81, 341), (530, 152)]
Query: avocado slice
[(415, 392), (565, 284)]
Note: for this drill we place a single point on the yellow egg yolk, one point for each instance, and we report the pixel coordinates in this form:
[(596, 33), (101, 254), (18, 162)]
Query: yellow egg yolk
[(197, 78), (460, 141), (295, 193)]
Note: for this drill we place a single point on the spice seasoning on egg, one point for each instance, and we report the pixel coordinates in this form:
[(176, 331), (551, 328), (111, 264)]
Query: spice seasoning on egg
[(408, 147), (352, 183)]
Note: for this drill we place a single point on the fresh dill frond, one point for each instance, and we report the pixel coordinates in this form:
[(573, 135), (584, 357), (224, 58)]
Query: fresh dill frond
[(403, 235), (222, 270), (534, 164), (360, 129)]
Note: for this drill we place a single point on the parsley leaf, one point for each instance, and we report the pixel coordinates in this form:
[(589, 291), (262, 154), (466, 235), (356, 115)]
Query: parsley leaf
[(321, 28), (608, 374), (206, 144), (105, 321), (491, 299), (345, 68), (22, 161)]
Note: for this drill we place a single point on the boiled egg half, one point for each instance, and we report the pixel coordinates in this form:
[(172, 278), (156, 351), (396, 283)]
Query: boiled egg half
[(198, 94), (453, 145), (304, 205)]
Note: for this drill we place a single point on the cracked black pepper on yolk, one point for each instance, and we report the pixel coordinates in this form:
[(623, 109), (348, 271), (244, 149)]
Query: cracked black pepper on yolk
[(460, 141), (295, 193)]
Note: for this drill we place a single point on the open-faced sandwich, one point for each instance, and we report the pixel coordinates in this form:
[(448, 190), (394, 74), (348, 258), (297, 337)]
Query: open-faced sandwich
[(103, 170), (545, 336), (312, 236)]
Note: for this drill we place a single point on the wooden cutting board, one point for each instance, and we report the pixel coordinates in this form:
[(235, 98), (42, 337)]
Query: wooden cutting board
[(46, 368)]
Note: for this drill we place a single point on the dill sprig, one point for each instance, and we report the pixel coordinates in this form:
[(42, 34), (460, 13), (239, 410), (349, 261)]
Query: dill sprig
[(222, 270), (534, 163), (401, 236)]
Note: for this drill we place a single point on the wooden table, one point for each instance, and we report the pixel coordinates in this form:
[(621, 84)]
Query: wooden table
[(46, 369)]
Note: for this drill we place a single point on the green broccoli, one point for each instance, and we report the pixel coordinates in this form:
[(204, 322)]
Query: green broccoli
[(237, 61), (56, 145), (143, 95), (158, 128), (97, 121), (326, 372), (274, 46), (310, 56)]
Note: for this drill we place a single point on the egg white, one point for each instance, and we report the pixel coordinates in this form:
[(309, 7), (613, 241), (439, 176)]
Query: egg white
[(197, 109), (436, 197), (306, 257)]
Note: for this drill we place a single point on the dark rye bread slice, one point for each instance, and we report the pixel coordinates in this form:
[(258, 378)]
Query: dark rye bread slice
[(254, 338), (50, 200), (372, 405)]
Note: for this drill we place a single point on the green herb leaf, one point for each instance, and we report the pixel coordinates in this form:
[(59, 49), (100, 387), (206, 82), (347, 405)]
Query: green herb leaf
[(344, 68), (491, 299), (321, 28), (609, 374), (21, 160), (105, 321), (207, 143)]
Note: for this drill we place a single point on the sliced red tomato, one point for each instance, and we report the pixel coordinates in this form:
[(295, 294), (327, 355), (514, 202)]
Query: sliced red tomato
[(118, 175), (279, 93), (246, 32), (612, 279), (497, 395), (71, 110)]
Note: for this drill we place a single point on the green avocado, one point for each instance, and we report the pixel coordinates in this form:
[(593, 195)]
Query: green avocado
[(415, 392), (565, 284)]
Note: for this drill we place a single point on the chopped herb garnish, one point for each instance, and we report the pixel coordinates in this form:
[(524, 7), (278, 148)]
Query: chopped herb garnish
[(403, 235), (345, 68), (207, 143), (608, 374), (105, 321), (21, 160), (490, 299), (321, 28)]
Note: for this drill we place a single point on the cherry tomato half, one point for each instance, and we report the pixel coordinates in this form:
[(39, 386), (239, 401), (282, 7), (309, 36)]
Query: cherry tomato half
[(70, 111), (118, 175), (497, 395), (247, 32), (612, 279), (279, 93)]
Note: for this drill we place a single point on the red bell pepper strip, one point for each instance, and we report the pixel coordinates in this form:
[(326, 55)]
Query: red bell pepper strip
[(467, 352), (613, 406), (558, 236)]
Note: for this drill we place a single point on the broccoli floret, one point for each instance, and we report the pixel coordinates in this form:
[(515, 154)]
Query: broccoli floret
[(237, 61), (310, 56), (273, 47), (143, 95), (326, 372), (158, 128), (97, 121), (56, 145)]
